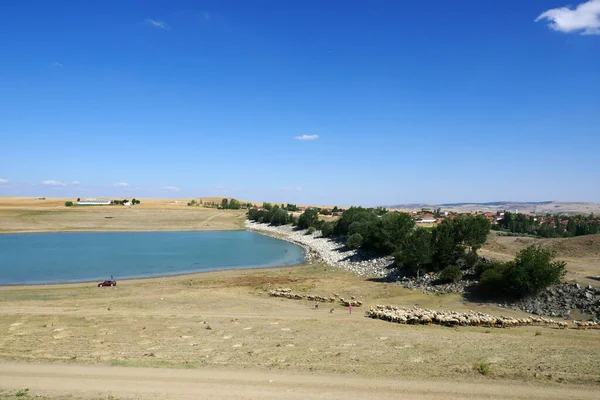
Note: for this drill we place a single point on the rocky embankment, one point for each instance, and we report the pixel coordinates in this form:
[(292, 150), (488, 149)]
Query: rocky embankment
[(430, 283), (331, 251), (559, 300)]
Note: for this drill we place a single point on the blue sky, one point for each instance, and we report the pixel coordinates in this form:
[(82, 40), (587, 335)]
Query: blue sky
[(399, 102)]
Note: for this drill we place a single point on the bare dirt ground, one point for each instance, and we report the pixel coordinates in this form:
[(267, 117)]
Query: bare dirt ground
[(226, 321), (51, 215), (63, 382), (582, 253)]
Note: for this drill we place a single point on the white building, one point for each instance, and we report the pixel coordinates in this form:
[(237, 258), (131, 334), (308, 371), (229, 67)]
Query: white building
[(94, 202)]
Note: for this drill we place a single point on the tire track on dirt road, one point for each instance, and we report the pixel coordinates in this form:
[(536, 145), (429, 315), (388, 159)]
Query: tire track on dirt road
[(88, 381)]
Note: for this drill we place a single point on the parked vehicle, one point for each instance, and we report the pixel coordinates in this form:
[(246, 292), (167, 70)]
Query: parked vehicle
[(107, 283)]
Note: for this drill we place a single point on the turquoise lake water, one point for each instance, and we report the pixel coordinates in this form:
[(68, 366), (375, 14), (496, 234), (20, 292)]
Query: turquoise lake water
[(75, 257)]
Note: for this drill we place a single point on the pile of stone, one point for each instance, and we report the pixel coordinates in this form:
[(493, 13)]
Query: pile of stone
[(415, 315), (430, 283), (559, 300), (331, 251)]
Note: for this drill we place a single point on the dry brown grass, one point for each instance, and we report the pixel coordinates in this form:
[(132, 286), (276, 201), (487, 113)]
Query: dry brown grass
[(117, 218), (163, 322)]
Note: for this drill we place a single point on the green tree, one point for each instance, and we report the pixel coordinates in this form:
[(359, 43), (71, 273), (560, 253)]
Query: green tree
[(532, 270), (416, 252), (225, 204), (308, 219), (451, 273), (68, 204), (267, 206), (571, 227), (327, 229), (445, 249), (234, 204), (280, 217), (351, 215), (395, 227), (354, 241)]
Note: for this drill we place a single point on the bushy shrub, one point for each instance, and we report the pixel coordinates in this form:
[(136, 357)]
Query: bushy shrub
[(310, 230), (68, 204), (483, 368), (451, 273), (355, 241), (532, 270)]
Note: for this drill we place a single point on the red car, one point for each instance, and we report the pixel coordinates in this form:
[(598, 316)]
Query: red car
[(107, 283)]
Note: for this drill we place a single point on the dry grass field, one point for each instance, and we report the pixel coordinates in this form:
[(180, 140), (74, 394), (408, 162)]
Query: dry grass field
[(226, 319), (50, 215)]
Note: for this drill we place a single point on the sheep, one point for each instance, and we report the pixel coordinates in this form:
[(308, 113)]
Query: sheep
[(415, 315)]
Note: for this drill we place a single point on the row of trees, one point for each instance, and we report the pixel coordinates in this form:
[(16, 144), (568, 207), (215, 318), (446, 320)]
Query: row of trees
[(122, 202), (448, 247), (225, 204), (552, 225), (394, 233), (275, 215)]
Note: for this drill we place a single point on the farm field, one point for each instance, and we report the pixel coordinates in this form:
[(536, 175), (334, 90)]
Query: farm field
[(50, 215)]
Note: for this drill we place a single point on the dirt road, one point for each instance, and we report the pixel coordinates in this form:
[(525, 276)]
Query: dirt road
[(144, 383)]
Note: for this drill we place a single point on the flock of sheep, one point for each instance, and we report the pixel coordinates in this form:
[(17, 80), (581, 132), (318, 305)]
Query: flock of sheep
[(287, 293), (415, 315)]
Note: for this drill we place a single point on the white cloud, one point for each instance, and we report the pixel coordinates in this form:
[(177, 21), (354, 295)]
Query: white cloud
[(307, 137), (585, 18), (291, 189), (220, 187), (75, 183), (121, 184), (51, 182), (3, 181), (56, 65), (172, 188), (157, 23)]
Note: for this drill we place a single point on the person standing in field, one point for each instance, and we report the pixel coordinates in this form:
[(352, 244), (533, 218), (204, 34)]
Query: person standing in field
[(350, 308), (316, 305)]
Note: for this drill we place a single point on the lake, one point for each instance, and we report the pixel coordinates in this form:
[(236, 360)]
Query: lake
[(95, 256)]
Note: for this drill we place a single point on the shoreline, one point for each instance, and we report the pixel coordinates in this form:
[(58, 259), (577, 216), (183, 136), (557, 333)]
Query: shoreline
[(327, 250), (308, 257), (316, 250), (139, 280)]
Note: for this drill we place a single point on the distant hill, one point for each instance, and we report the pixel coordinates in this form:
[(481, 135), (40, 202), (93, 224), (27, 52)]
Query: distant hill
[(526, 207)]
